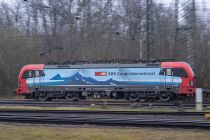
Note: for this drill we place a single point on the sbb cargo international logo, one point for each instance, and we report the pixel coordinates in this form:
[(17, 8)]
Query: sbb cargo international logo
[(100, 73)]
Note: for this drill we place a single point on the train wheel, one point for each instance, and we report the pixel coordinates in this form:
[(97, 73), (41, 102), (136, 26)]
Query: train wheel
[(43, 97), (165, 96), (72, 96), (133, 96)]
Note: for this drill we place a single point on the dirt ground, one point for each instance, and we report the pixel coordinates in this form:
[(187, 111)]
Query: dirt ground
[(53, 132)]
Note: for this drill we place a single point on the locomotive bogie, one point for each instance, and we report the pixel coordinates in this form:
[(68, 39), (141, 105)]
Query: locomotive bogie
[(132, 95)]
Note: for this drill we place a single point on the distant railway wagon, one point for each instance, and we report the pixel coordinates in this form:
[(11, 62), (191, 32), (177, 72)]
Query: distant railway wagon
[(163, 80)]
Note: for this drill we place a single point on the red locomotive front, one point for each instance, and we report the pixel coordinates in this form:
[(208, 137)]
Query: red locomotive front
[(184, 71), (26, 72)]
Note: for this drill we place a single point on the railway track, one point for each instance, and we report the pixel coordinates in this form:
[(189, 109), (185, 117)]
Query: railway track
[(102, 112), (104, 118), (87, 103)]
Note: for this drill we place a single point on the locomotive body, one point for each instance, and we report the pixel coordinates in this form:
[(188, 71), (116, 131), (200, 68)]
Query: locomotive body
[(165, 80)]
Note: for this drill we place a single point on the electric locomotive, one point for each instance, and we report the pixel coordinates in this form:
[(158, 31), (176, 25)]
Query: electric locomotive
[(131, 81)]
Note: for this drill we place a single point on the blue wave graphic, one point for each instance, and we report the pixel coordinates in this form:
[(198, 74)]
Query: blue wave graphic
[(78, 79)]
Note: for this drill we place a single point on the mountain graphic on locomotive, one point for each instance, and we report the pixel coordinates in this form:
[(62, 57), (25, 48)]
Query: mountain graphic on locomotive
[(132, 81)]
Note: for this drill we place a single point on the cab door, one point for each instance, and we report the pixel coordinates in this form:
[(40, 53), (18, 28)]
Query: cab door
[(25, 87), (41, 78), (168, 78), (36, 79)]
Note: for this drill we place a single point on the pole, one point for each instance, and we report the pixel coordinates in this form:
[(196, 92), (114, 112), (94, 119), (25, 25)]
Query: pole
[(194, 43), (176, 27), (149, 28)]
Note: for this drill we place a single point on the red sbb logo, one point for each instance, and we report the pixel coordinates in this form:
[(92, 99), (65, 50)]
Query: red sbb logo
[(100, 73)]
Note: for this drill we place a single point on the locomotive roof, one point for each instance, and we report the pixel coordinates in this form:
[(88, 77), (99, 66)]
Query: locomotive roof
[(101, 66)]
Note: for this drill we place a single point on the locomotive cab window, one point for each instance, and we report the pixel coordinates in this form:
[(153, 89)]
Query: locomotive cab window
[(180, 72), (168, 72), (30, 74), (36, 73), (39, 73), (27, 74), (162, 72)]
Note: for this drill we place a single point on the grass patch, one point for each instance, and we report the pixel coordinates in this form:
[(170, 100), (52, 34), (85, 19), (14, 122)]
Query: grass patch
[(24, 132), (84, 108), (95, 108), (15, 97)]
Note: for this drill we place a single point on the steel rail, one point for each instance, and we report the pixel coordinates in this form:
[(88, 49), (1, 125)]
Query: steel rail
[(107, 121), (88, 103), (180, 113)]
